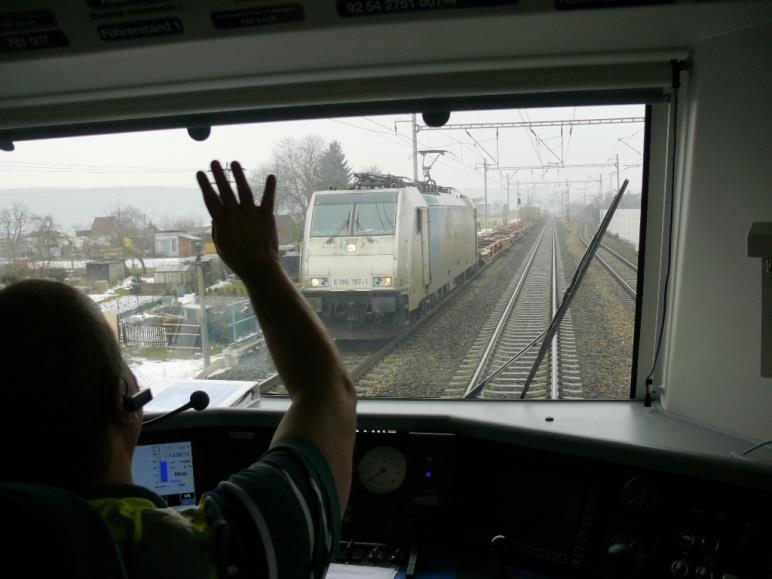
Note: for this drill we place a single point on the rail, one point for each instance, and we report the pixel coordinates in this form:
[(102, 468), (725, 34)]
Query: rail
[(623, 283), (490, 347), (501, 240)]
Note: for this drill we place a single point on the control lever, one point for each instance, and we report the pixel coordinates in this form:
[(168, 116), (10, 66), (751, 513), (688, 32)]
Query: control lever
[(410, 569), (626, 554), (499, 545)]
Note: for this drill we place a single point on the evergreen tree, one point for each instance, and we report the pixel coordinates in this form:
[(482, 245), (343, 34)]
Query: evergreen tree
[(334, 171)]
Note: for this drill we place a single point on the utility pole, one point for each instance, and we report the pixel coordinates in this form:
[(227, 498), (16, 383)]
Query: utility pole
[(415, 148), (509, 207), (617, 171), (202, 309), (485, 166), (485, 172), (600, 199), (501, 175)]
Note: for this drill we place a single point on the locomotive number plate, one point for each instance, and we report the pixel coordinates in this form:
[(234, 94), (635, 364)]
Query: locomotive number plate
[(350, 282)]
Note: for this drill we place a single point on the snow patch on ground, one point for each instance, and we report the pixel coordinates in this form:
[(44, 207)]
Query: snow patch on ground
[(110, 293), (126, 303), (187, 299), (221, 283), (149, 371), (100, 297)]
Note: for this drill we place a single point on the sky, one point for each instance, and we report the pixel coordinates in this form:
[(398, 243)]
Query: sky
[(77, 179)]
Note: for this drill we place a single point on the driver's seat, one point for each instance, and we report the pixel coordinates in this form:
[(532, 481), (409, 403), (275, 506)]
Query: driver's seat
[(51, 532)]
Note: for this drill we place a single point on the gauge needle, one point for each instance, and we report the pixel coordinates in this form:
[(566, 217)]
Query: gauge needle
[(377, 474)]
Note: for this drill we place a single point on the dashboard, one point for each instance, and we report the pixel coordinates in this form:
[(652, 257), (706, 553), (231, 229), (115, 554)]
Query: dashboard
[(444, 503)]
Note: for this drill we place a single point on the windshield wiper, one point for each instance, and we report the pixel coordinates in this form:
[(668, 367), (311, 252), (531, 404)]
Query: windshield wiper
[(364, 233), (343, 226), (547, 335)]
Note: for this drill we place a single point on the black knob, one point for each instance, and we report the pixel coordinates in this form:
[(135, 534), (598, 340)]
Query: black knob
[(703, 573), (686, 538), (679, 568), (499, 544), (627, 553), (620, 552), (710, 544)]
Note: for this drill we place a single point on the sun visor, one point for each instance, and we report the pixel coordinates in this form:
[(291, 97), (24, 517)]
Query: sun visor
[(264, 99)]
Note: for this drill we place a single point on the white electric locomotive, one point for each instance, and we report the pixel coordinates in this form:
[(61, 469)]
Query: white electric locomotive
[(375, 258)]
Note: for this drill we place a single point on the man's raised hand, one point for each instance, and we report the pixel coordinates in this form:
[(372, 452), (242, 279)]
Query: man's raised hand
[(243, 233)]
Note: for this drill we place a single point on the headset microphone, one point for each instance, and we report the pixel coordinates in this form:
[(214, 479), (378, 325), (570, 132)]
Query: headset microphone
[(198, 401)]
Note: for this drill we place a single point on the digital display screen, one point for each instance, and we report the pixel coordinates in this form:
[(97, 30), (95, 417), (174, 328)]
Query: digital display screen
[(167, 470)]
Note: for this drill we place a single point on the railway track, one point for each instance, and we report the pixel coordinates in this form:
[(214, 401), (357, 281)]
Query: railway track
[(622, 270), (522, 314), (369, 361)]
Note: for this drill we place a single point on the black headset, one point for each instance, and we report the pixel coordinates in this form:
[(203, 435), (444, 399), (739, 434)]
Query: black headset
[(134, 402)]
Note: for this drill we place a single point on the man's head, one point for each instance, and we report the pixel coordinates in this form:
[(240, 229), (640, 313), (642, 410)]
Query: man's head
[(62, 419)]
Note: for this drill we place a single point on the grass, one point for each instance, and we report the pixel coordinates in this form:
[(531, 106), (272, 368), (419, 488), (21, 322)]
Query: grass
[(156, 353), (163, 354)]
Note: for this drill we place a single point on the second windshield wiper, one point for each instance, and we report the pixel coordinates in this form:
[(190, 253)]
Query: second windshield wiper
[(343, 226)]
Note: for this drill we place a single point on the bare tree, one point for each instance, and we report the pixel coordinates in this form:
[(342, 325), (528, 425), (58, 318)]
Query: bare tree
[(297, 165), (134, 232), (13, 225), (44, 240)]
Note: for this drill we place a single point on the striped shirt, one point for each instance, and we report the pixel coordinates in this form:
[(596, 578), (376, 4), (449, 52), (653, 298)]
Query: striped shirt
[(277, 519)]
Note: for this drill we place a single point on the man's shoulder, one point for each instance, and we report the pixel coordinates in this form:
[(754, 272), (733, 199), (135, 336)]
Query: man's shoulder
[(155, 540), (137, 511)]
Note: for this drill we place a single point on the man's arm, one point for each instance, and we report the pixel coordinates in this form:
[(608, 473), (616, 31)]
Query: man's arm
[(323, 409)]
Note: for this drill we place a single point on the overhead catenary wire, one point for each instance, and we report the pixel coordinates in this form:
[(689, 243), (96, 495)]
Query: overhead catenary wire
[(408, 141)]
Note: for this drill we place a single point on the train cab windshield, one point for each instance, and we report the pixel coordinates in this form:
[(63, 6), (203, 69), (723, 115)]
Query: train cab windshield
[(434, 254), (373, 214)]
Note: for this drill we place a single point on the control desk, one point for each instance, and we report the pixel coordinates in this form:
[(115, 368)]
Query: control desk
[(456, 505)]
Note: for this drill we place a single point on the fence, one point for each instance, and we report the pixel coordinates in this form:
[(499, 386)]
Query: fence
[(241, 321), (139, 334), (229, 323), (172, 336)]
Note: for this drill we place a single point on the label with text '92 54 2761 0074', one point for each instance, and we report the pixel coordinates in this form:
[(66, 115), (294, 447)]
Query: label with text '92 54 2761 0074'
[(349, 8)]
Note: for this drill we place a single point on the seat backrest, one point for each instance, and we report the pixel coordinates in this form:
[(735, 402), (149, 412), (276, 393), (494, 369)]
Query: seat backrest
[(50, 532)]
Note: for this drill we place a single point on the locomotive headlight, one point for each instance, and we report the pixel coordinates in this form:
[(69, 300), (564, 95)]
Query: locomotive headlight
[(382, 281), (351, 247), (319, 282)]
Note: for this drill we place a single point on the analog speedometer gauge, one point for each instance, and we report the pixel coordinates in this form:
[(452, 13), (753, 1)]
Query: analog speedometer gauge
[(382, 469)]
